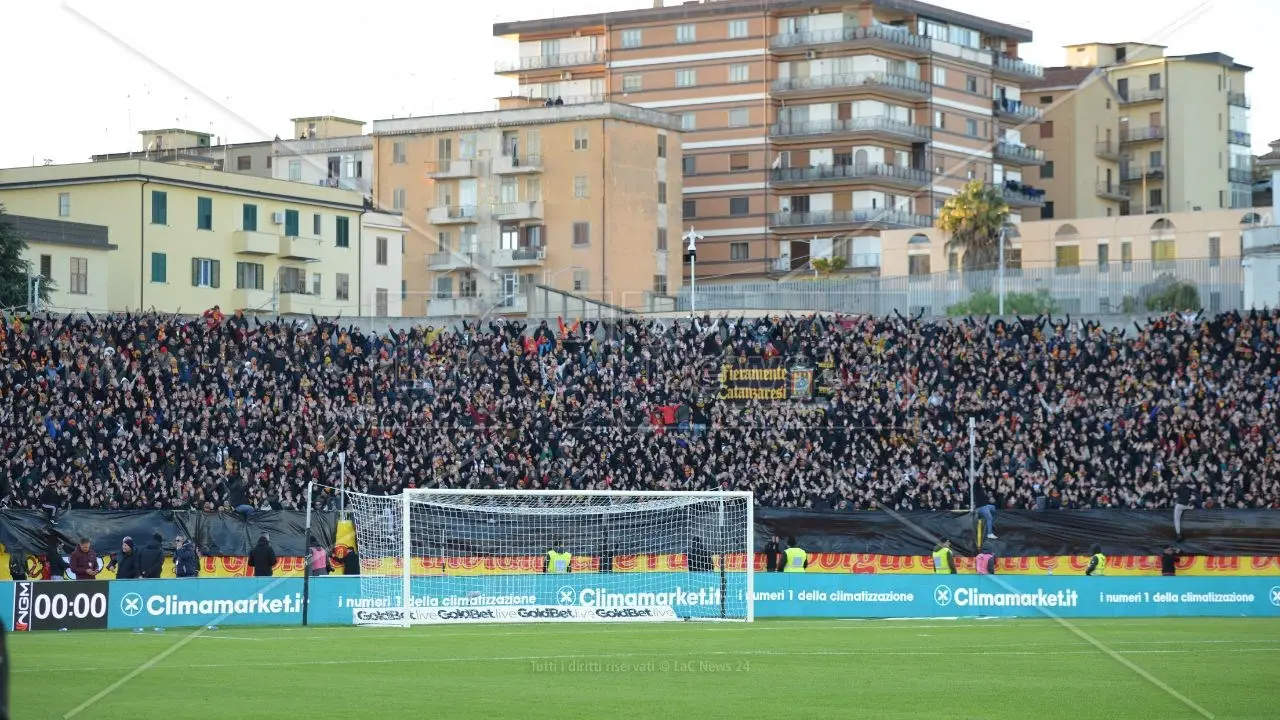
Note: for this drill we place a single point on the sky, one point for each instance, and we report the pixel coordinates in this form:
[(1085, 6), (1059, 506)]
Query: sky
[(240, 70)]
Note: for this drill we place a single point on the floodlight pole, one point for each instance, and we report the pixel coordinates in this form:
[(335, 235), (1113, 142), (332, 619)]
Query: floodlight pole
[(972, 474), (692, 237), (1002, 233)]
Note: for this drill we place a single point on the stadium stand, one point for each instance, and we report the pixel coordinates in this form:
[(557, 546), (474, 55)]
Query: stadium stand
[(147, 411)]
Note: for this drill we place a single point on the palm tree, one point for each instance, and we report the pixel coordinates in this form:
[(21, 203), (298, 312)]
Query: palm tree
[(973, 218)]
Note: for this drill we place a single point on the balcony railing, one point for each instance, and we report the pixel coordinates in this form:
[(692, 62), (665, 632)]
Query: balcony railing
[(1021, 195), (1112, 191), (519, 256), (872, 80), (544, 62), (523, 210), (866, 124), (1013, 66), (816, 173), (868, 216), (452, 214), (1236, 137), (517, 164), (1107, 149), (897, 36), (1141, 96), (1134, 173), (1019, 153), (448, 260), (1015, 109), (441, 169), (1236, 175), (1238, 99), (1129, 135)]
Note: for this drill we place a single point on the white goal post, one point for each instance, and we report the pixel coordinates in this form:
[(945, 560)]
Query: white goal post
[(450, 556)]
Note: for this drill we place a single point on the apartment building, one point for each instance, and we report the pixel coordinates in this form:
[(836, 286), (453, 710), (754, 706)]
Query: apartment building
[(72, 259), (577, 197), (1172, 131), (810, 126), (330, 151), (1262, 242), (185, 237), (192, 146)]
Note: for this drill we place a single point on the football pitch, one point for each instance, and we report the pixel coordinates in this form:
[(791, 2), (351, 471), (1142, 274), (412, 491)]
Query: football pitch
[(795, 669)]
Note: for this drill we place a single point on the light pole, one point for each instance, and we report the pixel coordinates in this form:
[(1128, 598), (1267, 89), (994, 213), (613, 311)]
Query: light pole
[(691, 253), (1008, 231)]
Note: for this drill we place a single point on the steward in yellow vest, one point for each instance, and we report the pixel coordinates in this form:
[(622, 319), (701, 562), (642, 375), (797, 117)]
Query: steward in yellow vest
[(1097, 563), (944, 560), (558, 561), (796, 558)]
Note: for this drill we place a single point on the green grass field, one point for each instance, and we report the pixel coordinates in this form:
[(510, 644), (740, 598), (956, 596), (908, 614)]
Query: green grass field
[(788, 670)]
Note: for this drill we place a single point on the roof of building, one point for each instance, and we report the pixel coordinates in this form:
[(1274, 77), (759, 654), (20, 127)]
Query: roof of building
[(1213, 58), (1117, 44), (175, 130), (707, 8), (326, 117), (59, 232), (1272, 158), (540, 115), (1055, 77)]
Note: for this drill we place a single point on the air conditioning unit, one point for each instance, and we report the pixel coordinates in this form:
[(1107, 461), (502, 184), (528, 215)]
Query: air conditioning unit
[(811, 54), (277, 217)]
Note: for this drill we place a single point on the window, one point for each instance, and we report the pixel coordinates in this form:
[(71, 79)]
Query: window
[(686, 33), (249, 276), (315, 224), (739, 162), (204, 213), (632, 83), (1046, 99), (971, 83), (205, 272), (398, 154), (159, 207), (662, 193), (580, 186), (444, 149), (1155, 159), (397, 199), (739, 117), (739, 72), (739, 251), (79, 276), (249, 218), (404, 290), (343, 236), (631, 38), (291, 223), (380, 254), (918, 265), (739, 205), (244, 162), (688, 121), (1126, 255), (1155, 198), (971, 127), (343, 285), (295, 170), (1046, 129), (939, 119), (690, 209), (662, 146), (1104, 256), (939, 164), (509, 190), (580, 280), (688, 165), (533, 189), (939, 75), (1163, 251), (580, 139), (1153, 81), (1046, 170), (737, 29), (159, 267), (662, 239), (581, 234), (660, 284), (46, 267), (380, 302), (444, 287), (1066, 258), (64, 204), (1046, 212), (315, 284), (687, 77)]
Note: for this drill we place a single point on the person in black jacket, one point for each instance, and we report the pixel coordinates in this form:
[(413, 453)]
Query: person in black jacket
[(771, 555), (1169, 561), (151, 558), (53, 557), (126, 563), (351, 562), (263, 557)]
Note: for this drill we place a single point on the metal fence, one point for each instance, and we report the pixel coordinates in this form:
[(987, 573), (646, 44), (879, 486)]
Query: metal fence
[(1114, 288)]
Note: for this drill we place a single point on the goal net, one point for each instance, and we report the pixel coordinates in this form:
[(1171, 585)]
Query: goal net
[(467, 556)]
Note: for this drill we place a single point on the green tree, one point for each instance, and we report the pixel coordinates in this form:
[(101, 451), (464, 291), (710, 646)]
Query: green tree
[(972, 219), (985, 302), (15, 271), (827, 266)]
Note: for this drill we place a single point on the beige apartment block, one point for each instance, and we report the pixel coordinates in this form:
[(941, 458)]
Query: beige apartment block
[(579, 197), (1172, 132), (809, 127)]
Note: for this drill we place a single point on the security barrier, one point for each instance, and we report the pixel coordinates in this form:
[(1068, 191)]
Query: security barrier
[(125, 604)]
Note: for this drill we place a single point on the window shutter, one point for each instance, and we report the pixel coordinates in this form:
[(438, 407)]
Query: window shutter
[(215, 273), (195, 272)]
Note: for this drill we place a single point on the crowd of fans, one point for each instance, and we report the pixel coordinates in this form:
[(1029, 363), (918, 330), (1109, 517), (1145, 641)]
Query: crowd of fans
[(149, 411)]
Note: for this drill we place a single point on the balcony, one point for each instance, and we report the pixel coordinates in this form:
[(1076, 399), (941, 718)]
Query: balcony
[(869, 217), (870, 127), (1236, 175), (1112, 192), (1134, 97), (1238, 99), (476, 306), (1013, 68), (1236, 137), (899, 39), (449, 169), (876, 81), (299, 248), (297, 303), (452, 215), (251, 299), (548, 62), (248, 242), (517, 164), (1016, 110), (1021, 195), (527, 210), (1137, 173), (354, 184), (520, 257), (1260, 240), (861, 261), (446, 260), (1146, 134), (875, 173), (1146, 210), (1018, 154), (1107, 150)]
